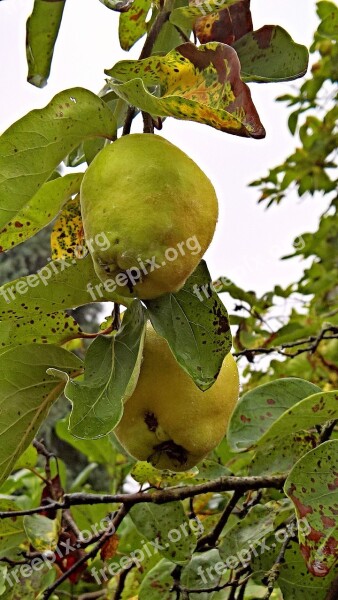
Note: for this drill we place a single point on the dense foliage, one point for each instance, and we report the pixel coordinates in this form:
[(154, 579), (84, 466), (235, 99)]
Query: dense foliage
[(257, 519)]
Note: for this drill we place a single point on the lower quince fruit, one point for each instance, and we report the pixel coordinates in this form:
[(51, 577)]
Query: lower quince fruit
[(168, 421)]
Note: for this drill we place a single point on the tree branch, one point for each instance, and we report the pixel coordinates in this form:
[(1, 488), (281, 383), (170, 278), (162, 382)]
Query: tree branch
[(211, 538), (222, 484), (311, 344)]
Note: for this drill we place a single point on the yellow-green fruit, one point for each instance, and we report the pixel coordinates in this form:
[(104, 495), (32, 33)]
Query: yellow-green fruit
[(149, 214), (168, 421)]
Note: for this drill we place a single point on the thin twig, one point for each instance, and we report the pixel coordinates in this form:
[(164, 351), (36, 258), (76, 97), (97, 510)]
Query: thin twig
[(121, 581), (107, 534), (211, 538), (146, 51), (273, 573), (311, 344)]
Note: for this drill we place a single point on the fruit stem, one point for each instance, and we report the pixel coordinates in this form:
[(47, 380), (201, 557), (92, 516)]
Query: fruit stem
[(161, 18)]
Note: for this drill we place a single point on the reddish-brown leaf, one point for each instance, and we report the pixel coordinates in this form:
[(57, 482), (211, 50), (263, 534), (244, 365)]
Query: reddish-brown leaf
[(226, 26)]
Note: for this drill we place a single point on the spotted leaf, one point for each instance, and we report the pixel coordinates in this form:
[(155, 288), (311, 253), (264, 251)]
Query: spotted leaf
[(186, 17), (226, 25), (195, 324), (259, 408), (196, 84), (34, 146), (67, 238), (133, 23), (38, 327), (270, 54), (312, 485), (40, 210)]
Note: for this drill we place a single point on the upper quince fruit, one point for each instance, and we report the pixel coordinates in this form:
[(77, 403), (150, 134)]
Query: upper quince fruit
[(155, 209)]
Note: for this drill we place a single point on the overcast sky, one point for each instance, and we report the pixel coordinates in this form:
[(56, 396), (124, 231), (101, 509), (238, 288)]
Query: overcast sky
[(248, 240)]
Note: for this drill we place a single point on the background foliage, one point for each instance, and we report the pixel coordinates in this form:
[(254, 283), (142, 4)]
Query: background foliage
[(234, 527)]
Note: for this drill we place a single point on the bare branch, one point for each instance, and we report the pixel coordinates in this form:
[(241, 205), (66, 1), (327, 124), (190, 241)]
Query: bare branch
[(310, 345), (222, 484)]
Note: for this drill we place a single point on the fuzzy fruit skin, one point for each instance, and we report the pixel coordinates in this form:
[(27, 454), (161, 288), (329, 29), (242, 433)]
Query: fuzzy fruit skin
[(146, 196), (167, 405)]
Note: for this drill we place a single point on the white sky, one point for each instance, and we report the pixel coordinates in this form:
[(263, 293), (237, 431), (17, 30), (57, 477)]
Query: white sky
[(249, 240)]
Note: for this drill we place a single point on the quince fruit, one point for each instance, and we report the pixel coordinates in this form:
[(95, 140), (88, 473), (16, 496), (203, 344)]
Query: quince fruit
[(157, 211), (168, 421)]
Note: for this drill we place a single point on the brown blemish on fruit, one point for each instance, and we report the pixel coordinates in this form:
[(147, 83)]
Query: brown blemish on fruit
[(151, 421), (173, 451)]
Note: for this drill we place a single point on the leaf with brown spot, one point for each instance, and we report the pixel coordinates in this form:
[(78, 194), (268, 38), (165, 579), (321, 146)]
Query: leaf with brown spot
[(195, 324), (270, 54), (26, 395), (185, 17), (197, 84), (312, 485), (259, 408), (132, 24), (40, 210), (226, 25), (67, 238), (109, 549), (37, 326), (34, 146)]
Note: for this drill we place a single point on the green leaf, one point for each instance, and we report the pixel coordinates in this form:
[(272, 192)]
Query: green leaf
[(33, 147), (42, 532), (39, 210), (309, 412), (312, 485), (60, 285), (168, 526), (28, 459), (270, 54), (200, 84), (12, 532), (132, 24), (262, 406), (329, 26), (246, 534), (26, 395), (25, 582), (195, 324), (201, 572), (112, 367), (100, 451), (41, 33)]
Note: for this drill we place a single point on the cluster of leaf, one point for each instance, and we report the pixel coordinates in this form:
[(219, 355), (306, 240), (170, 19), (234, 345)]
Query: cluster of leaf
[(282, 318), (162, 548)]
